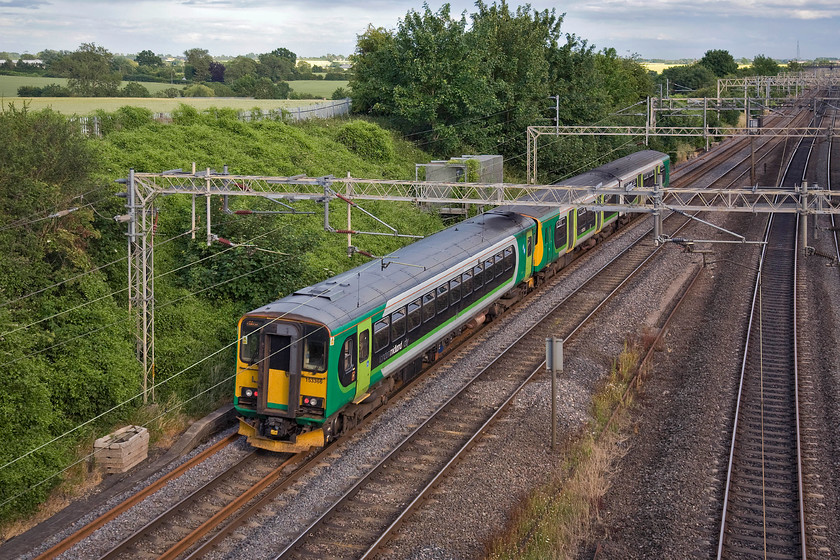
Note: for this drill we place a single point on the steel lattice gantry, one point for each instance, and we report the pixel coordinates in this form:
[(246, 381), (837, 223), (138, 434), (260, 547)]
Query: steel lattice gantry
[(143, 188)]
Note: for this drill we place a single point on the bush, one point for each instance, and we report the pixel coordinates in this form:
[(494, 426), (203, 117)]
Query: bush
[(133, 89), (303, 95), (367, 140), (171, 92), (340, 93), (222, 90), (198, 90), (124, 118), (185, 115), (51, 90)]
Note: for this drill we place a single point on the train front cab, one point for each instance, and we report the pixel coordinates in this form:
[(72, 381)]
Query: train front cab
[(281, 383)]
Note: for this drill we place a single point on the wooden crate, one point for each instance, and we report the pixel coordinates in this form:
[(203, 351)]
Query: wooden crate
[(123, 449)]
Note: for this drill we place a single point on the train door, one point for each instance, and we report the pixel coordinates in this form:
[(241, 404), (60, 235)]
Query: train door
[(529, 253), (279, 372), (363, 376)]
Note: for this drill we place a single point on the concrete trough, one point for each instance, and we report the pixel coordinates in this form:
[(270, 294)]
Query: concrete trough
[(120, 451)]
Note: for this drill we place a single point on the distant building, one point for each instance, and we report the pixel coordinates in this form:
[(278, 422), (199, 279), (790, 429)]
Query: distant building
[(34, 61)]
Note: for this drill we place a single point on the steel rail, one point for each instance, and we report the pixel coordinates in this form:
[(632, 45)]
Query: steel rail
[(742, 388), (203, 490), (397, 521), (130, 502)]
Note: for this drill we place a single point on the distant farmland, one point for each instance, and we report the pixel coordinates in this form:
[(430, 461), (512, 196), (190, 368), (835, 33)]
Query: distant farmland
[(88, 105)]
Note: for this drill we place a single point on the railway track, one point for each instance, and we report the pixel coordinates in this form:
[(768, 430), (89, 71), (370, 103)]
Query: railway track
[(763, 514), (763, 511), (167, 535), (585, 308), (363, 518)]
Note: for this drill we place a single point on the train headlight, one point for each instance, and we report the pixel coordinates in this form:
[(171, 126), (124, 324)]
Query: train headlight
[(248, 392), (316, 402)]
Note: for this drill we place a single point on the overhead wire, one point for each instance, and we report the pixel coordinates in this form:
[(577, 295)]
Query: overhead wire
[(160, 384), (99, 329), (31, 219)]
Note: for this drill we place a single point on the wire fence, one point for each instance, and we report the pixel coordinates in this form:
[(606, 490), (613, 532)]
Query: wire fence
[(92, 126)]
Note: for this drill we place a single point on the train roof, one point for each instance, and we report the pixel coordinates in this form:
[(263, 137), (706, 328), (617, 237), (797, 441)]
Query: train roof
[(609, 175), (355, 293)]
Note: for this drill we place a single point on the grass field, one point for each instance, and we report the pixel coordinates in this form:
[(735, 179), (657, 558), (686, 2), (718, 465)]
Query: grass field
[(657, 67), (88, 105), (321, 88)]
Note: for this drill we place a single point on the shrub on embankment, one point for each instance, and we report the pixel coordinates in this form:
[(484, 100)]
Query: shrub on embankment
[(66, 336)]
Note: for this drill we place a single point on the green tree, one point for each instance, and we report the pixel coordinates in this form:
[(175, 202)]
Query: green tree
[(682, 79), (720, 62), (134, 89), (278, 65), (238, 67), (148, 58), (51, 60), (198, 90), (764, 66), (515, 49), (199, 60), (427, 78), (374, 70), (89, 71), (123, 65)]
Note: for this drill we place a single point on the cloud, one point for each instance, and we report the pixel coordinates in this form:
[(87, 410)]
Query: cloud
[(25, 4)]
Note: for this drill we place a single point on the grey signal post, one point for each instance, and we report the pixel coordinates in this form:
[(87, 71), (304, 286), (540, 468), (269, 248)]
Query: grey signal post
[(554, 363)]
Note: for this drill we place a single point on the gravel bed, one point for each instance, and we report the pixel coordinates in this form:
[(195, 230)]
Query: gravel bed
[(667, 490), (107, 536), (819, 356), (474, 504), (666, 497), (353, 456)]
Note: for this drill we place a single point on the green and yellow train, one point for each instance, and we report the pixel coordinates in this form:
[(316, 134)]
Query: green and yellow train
[(311, 365)]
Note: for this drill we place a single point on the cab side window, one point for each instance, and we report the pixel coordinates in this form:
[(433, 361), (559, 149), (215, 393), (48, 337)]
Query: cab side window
[(347, 361)]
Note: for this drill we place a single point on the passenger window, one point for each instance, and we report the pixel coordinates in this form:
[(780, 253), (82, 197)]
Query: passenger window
[(428, 306), (414, 315), (467, 284), (381, 333), (364, 345), (560, 236), (455, 290), (508, 259), (478, 277), (488, 272), (500, 264), (530, 247), (397, 324), (442, 300)]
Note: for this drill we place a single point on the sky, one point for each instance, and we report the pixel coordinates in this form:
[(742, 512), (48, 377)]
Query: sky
[(651, 29)]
